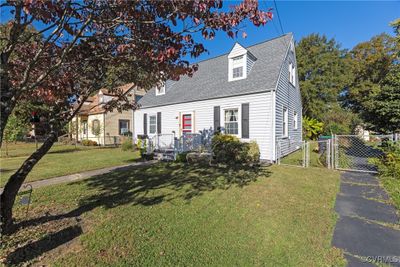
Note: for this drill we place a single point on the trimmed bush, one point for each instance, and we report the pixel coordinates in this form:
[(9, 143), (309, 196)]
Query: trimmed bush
[(228, 149), (181, 157), (250, 153), (127, 145), (89, 143), (389, 165)]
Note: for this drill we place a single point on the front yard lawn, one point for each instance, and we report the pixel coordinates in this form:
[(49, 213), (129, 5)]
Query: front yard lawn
[(171, 214), (63, 160)]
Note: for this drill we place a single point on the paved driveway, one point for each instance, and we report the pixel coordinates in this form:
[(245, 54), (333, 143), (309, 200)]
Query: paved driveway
[(368, 228)]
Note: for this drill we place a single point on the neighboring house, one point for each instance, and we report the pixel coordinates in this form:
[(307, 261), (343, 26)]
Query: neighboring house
[(252, 93), (94, 123)]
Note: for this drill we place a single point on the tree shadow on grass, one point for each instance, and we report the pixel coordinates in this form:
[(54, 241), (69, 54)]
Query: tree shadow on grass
[(49, 242), (147, 185)]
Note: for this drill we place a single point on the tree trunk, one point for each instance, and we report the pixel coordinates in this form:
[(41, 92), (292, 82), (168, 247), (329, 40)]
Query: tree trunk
[(15, 182), (7, 105)]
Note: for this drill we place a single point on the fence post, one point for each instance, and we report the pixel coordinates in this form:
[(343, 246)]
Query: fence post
[(328, 153), (335, 152)]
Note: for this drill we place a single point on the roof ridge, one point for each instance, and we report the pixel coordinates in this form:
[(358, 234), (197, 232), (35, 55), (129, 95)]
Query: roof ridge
[(246, 47)]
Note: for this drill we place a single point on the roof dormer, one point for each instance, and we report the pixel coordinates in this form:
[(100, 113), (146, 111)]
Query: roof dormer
[(240, 62), (160, 89)]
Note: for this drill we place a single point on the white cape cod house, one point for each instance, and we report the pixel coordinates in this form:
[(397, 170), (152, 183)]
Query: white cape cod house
[(252, 93)]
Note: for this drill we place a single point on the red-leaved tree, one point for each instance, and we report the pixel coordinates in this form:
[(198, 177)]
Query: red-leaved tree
[(56, 51)]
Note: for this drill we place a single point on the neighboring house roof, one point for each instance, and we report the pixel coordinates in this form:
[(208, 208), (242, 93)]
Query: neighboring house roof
[(211, 79), (93, 106)]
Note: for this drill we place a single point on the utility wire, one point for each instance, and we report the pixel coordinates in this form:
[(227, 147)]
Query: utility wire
[(279, 17)]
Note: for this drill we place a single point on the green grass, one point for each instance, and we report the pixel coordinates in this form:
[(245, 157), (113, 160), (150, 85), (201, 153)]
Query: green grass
[(180, 215), (63, 160), (392, 186), (296, 158)]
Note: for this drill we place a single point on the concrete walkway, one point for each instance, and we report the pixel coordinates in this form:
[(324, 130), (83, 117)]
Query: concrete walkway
[(80, 176), (368, 229)]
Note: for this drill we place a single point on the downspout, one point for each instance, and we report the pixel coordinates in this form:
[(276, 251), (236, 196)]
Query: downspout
[(76, 131), (133, 127), (104, 129)]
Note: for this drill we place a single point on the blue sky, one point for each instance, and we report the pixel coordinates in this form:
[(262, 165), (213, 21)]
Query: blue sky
[(349, 22)]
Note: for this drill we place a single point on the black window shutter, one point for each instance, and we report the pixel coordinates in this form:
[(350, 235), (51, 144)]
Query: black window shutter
[(217, 122), (145, 123), (245, 121), (159, 122)]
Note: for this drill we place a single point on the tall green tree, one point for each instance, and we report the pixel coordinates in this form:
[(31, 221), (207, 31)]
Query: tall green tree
[(76, 42), (396, 26), (384, 112), (323, 69), (372, 61), (14, 131)]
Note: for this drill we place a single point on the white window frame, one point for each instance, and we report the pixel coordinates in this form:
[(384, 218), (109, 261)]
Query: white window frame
[(240, 72), (119, 126), (160, 89), (295, 120), (239, 119), (237, 62), (292, 74), (285, 122), (155, 129)]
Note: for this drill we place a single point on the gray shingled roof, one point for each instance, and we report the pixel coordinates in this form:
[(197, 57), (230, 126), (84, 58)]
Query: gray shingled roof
[(211, 79)]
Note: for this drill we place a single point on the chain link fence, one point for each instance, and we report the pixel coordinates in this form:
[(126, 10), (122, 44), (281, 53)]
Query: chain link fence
[(357, 153), (319, 154), (291, 153), (341, 152)]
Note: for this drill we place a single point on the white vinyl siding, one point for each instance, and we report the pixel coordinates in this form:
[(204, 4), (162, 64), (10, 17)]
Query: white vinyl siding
[(288, 95), (260, 118)]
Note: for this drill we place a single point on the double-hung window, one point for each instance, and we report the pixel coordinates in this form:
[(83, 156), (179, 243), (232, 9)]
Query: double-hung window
[(123, 127), (232, 121), (292, 74), (96, 127), (237, 67), (285, 123), (160, 89), (84, 127), (152, 124)]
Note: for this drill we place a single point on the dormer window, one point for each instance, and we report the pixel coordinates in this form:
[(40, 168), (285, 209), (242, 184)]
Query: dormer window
[(240, 63), (237, 71), (160, 89)]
